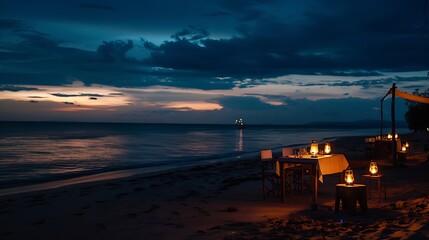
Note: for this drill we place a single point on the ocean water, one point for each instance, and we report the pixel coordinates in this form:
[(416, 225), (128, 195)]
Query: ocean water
[(33, 152)]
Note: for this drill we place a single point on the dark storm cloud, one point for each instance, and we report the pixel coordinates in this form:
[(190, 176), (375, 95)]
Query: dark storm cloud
[(356, 73), (295, 110), (217, 14), (114, 51), (97, 6), (11, 24), (378, 83), (192, 34), (247, 10), (387, 36), (13, 88), (245, 103), (334, 37)]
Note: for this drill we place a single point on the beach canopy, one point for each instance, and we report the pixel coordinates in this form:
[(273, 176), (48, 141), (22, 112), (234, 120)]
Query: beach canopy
[(410, 97), (395, 92)]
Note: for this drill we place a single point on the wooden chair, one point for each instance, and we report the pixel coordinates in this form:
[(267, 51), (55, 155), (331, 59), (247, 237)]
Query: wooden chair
[(270, 179), (294, 169), (369, 148)]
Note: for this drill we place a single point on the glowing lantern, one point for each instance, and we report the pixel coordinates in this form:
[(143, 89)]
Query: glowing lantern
[(373, 168), (407, 145), (404, 148), (327, 148), (314, 148), (348, 177), (396, 136), (389, 136)]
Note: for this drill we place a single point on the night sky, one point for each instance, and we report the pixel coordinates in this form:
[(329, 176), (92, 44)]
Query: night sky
[(210, 61)]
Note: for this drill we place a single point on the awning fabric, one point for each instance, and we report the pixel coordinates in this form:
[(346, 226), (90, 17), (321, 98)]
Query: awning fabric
[(410, 97)]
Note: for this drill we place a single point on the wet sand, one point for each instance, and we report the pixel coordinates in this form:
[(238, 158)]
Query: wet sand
[(222, 201)]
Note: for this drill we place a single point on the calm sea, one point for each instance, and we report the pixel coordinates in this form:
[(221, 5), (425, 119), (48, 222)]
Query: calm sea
[(32, 152)]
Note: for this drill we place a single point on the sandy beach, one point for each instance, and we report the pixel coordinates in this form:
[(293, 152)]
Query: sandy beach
[(223, 201)]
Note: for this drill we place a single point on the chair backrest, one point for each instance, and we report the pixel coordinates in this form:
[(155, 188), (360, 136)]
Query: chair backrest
[(266, 154), (398, 144), (287, 152)]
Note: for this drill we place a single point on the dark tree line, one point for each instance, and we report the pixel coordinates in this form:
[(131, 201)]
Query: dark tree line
[(417, 115)]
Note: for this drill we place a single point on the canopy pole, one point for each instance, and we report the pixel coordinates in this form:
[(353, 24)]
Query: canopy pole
[(381, 111), (393, 126), (381, 117)]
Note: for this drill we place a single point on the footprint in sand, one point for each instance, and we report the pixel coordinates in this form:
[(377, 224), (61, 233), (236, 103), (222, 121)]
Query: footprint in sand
[(132, 215), (175, 213), (84, 194), (231, 209), (5, 234), (121, 195), (138, 189), (86, 207), (38, 222), (112, 186), (152, 208), (202, 211), (101, 226), (36, 201)]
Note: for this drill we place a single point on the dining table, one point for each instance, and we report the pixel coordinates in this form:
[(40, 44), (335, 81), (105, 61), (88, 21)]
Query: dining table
[(383, 148), (321, 165)]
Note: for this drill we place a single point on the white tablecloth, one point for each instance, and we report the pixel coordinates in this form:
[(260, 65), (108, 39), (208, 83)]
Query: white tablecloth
[(327, 164)]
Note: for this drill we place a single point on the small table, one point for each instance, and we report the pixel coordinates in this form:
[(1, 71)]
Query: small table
[(322, 165), (402, 156), (378, 178), (349, 195)]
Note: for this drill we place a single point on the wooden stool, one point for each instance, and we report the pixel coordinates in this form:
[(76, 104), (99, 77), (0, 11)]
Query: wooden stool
[(349, 195), (377, 177), (402, 157)]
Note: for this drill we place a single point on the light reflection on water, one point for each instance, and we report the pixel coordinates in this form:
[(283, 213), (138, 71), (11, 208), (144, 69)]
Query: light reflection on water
[(30, 154)]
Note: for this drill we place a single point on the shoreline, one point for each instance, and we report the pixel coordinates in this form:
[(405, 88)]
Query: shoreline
[(109, 175), (217, 201), (144, 171)]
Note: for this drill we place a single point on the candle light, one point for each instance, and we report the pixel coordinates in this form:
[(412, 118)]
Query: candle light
[(373, 168), (404, 148), (389, 136), (314, 148), (348, 177), (327, 148), (407, 145)]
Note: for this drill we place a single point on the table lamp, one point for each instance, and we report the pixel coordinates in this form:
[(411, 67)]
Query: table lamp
[(327, 148), (373, 168), (348, 177), (314, 148)]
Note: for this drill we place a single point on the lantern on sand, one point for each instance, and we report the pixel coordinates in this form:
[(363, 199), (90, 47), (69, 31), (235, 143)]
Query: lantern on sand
[(348, 177), (314, 148), (373, 168)]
